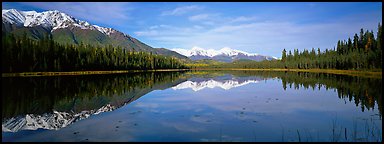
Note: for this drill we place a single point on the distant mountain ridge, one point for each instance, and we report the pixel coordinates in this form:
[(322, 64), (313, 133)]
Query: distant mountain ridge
[(225, 54), (67, 29)]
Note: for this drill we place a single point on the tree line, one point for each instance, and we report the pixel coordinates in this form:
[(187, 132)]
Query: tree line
[(21, 54), (362, 52)]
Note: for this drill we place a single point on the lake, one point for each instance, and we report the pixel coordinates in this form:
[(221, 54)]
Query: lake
[(193, 106)]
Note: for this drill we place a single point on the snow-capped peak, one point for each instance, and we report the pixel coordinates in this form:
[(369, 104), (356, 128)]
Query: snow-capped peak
[(53, 19), (211, 52), (224, 84), (13, 16)]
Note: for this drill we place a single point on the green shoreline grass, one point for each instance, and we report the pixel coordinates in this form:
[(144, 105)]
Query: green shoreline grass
[(369, 74), (30, 74)]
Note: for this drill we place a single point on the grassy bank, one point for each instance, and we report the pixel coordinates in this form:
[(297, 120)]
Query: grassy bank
[(369, 74), (29, 74)]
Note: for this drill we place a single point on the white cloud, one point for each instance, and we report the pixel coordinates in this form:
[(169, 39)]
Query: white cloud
[(154, 27), (147, 33), (243, 19), (181, 10), (229, 28), (199, 17), (210, 23), (183, 127), (198, 27), (159, 26), (169, 30)]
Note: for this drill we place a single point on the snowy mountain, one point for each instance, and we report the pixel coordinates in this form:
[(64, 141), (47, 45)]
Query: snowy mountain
[(196, 86), (69, 106), (49, 121), (225, 54), (211, 52), (66, 29), (49, 19), (226, 82)]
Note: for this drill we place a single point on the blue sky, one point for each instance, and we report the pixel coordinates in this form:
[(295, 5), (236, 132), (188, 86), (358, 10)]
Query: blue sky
[(255, 27)]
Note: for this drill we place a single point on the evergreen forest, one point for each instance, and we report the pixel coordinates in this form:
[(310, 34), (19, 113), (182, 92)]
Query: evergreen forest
[(21, 54)]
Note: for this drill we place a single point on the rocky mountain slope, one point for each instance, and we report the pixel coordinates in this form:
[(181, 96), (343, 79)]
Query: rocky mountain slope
[(66, 29)]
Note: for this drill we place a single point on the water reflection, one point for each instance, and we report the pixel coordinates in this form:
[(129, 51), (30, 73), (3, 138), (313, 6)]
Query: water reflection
[(364, 92), (194, 106), (225, 82), (56, 102)]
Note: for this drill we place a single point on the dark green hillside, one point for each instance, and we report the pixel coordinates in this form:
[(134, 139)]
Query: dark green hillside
[(27, 55), (64, 36), (35, 33), (76, 36)]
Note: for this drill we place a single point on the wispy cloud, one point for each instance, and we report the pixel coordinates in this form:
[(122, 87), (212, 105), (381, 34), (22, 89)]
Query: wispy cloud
[(205, 16), (243, 19), (181, 10), (199, 17), (108, 13), (256, 37), (266, 31)]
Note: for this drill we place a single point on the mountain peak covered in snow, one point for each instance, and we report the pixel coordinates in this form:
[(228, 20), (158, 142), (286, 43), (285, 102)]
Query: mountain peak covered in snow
[(226, 85), (225, 54), (52, 19), (225, 82), (211, 52)]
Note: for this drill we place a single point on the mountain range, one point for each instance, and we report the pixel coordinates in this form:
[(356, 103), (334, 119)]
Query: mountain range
[(66, 29), (225, 54)]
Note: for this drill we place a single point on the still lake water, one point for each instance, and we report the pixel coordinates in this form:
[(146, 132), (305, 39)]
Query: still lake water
[(193, 106)]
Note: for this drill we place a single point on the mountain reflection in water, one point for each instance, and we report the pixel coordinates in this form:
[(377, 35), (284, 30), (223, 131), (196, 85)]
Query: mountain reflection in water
[(53, 103), (225, 82), (56, 102)]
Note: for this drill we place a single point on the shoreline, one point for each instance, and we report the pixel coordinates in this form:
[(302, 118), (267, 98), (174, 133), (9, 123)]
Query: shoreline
[(33, 74), (370, 74)]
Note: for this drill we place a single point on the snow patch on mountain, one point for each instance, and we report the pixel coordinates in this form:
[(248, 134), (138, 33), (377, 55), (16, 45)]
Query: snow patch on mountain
[(107, 31)]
